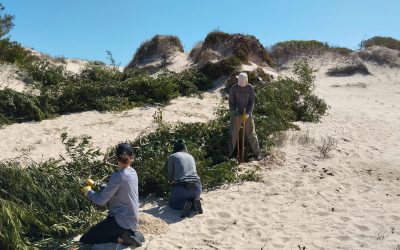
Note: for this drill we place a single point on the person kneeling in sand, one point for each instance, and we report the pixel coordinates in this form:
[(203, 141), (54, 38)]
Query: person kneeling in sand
[(121, 193), (186, 185)]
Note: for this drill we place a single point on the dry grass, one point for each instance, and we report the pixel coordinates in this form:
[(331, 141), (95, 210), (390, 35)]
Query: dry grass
[(326, 145)]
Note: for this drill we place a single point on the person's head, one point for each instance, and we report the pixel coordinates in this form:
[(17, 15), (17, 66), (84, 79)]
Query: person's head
[(243, 80), (124, 153), (179, 145)]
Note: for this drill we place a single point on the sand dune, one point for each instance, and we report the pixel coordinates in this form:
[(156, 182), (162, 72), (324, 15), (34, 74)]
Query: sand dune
[(348, 201)]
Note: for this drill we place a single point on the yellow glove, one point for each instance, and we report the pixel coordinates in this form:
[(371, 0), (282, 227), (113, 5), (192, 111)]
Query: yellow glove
[(245, 117), (86, 190), (89, 182)]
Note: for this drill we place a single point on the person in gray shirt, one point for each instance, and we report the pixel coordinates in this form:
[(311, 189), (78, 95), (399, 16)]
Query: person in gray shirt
[(241, 104), (186, 185), (121, 194)]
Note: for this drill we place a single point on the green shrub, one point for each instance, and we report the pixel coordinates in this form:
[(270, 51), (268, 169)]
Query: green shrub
[(13, 52), (387, 42), (42, 201), (16, 107), (224, 67), (97, 87)]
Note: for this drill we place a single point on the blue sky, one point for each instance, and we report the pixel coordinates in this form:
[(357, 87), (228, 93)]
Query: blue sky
[(88, 28)]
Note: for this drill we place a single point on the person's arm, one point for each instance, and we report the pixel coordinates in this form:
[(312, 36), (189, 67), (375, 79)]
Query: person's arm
[(104, 196), (252, 101), (171, 169), (232, 107)]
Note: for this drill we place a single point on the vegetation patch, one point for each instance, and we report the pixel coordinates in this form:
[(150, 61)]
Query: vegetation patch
[(349, 70), (243, 47), (388, 42), (283, 52), (158, 46)]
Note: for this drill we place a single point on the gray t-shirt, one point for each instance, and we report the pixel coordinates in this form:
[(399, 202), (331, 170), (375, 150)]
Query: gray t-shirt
[(122, 195), (241, 98), (182, 167)]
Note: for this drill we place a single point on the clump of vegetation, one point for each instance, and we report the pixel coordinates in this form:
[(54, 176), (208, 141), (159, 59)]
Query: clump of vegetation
[(157, 46), (239, 46), (349, 70), (283, 52), (41, 202), (388, 42), (326, 145), (224, 67), (97, 87)]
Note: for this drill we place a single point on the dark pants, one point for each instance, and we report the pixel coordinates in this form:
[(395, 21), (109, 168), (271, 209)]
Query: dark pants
[(184, 191), (107, 231)]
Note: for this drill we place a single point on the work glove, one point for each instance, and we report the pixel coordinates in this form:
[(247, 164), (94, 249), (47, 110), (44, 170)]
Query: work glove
[(85, 190), (245, 117), (90, 182)]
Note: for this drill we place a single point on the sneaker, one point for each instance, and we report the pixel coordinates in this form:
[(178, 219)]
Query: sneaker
[(187, 208), (132, 238), (197, 206)]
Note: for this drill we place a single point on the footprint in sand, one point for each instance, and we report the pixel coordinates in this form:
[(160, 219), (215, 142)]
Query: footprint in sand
[(323, 213), (395, 217), (345, 219), (361, 227), (224, 215)]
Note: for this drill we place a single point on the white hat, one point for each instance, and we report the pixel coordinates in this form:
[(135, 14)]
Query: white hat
[(243, 80)]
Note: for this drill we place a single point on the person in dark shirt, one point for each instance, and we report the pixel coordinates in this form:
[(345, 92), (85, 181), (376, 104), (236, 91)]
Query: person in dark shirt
[(241, 104), (186, 185)]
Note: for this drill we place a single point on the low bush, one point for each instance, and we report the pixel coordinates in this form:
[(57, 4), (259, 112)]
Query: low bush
[(224, 67), (349, 70), (388, 42), (17, 107), (97, 87)]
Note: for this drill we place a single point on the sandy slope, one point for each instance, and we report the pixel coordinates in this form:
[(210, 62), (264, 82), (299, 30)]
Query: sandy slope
[(41, 140), (349, 201)]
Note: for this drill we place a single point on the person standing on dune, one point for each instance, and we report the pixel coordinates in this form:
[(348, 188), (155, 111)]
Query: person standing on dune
[(241, 104)]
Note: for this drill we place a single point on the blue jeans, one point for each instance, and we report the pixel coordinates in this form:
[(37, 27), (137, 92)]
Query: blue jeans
[(182, 192)]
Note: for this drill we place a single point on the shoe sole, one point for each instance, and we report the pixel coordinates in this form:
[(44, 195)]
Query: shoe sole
[(186, 209), (197, 206)]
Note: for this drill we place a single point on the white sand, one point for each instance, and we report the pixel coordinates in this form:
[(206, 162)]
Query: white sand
[(348, 201)]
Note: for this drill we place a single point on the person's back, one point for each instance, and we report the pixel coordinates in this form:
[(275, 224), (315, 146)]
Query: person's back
[(124, 205), (186, 185), (182, 167)]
